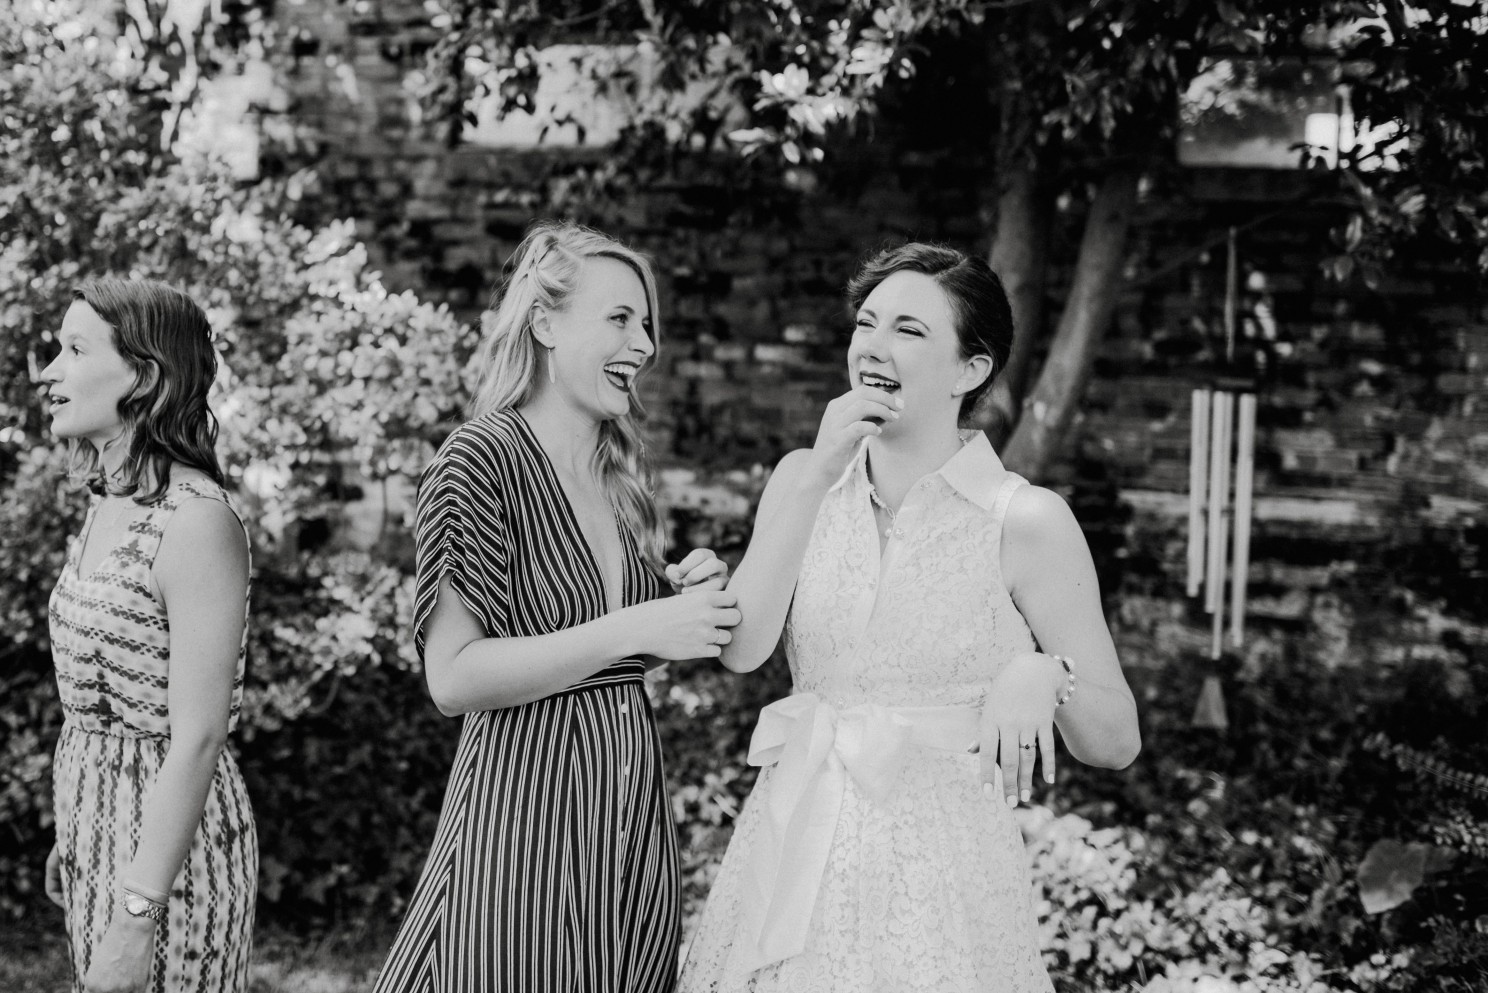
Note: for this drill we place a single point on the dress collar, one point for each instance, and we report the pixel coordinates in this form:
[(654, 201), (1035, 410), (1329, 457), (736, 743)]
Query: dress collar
[(973, 471)]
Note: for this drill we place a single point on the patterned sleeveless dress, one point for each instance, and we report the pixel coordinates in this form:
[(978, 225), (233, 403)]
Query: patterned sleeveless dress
[(111, 647), (554, 867), (868, 857)]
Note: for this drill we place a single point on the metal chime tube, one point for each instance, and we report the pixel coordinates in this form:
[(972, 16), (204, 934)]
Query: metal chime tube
[(1244, 484), (1198, 470), (1218, 489)]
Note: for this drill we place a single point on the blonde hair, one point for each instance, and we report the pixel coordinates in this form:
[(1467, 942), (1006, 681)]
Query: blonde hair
[(545, 270)]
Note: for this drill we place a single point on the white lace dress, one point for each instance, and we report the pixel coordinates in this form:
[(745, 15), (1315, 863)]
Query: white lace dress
[(868, 857)]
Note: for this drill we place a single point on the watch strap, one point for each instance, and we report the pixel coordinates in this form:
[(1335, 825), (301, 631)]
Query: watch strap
[(136, 905)]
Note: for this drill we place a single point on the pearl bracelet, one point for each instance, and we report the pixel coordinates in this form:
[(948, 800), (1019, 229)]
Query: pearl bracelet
[(1069, 678)]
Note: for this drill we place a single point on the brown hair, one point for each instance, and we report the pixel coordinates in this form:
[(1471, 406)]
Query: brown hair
[(164, 337), (984, 318)]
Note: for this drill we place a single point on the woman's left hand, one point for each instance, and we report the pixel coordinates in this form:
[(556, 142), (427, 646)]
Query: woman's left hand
[(121, 959), (700, 570), (1018, 724)]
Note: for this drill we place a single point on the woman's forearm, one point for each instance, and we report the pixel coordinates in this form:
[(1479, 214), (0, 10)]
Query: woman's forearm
[(172, 811), (1099, 725), (491, 673), (765, 581)]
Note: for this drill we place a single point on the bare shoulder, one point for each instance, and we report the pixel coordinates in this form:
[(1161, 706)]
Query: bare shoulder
[(205, 517), (1037, 513), (202, 533), (790, 466), (788, 474), (1042, 544)]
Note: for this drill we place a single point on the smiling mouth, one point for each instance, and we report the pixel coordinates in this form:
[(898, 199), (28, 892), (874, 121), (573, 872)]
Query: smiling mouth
[(878, 382), (56, 402), (621, 374)]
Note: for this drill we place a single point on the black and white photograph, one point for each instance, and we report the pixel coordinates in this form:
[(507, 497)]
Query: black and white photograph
[(744, 496)]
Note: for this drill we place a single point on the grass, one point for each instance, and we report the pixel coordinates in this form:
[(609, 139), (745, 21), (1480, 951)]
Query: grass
[(331, 963), (34, 959)]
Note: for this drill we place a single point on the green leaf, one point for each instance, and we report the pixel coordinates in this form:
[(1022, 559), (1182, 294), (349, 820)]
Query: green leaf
[(1390, 873)]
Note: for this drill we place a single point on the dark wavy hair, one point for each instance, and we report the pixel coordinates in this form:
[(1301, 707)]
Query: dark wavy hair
[(164, 337), (984, 318)]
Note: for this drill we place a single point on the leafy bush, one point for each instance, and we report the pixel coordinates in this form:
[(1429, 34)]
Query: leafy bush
[(1110, 921), (1231, 861)]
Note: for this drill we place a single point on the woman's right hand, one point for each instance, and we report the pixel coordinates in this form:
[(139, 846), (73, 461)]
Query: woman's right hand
[(849, 419), (54, 876), (686, 627)]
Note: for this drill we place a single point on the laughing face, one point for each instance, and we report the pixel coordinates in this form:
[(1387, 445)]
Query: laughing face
[(601, 338), (87, 379), (905, 343)]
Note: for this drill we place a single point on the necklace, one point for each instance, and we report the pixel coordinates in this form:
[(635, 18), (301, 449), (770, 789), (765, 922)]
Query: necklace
[(891, 531)]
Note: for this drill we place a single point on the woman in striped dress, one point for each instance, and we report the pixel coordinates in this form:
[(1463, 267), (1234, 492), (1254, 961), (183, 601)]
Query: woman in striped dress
[(156, 860), (539, 552)]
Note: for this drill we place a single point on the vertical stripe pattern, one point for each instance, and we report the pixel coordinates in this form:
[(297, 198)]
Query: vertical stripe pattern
[(554, 866), (111, 648)]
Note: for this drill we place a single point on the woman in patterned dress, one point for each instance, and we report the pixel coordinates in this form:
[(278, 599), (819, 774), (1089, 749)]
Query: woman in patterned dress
[(934, 606), (554, 867), (156, 860)]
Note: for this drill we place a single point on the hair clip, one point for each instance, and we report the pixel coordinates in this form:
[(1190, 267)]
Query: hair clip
[(527, 270)]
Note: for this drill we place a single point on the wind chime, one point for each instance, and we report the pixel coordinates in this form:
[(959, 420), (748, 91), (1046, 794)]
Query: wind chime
[(1221, 476)]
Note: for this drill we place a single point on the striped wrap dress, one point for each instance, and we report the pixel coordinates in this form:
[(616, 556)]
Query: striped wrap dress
[(111, 648), (554, 866)]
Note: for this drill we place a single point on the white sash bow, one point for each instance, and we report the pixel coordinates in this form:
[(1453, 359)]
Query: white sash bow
[(815, 749)]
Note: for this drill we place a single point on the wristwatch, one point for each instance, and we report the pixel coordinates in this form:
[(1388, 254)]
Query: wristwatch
[(142, 906)]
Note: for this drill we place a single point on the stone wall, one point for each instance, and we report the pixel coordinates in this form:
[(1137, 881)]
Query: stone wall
[(1372, 445)]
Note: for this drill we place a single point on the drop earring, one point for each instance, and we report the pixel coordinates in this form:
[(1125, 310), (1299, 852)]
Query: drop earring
[(552, 373)]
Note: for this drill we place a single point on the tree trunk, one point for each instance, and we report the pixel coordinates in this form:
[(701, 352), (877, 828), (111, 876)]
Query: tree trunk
[(1020, 255), (1099, 276)]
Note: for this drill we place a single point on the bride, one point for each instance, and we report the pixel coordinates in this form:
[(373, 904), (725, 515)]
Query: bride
[(941, 618)]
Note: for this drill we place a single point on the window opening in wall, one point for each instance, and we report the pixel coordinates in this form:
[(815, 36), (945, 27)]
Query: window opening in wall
[(1278, 114)]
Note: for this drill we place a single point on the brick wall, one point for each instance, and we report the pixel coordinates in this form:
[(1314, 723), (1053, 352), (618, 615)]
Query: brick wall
[(1372, 429)]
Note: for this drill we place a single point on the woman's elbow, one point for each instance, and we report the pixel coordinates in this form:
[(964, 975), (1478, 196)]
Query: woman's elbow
[(1128, 752), (1116, 749), (739, 659), (444, 691), (1122, 752), (446, 701), (202, 743), (734, 663)]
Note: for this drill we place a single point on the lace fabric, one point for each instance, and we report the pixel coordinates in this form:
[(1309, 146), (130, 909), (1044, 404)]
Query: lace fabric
[(926, 888)]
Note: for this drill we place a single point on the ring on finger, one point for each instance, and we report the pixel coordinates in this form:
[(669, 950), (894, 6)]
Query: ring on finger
[(1029, 745)]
